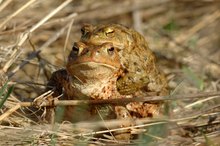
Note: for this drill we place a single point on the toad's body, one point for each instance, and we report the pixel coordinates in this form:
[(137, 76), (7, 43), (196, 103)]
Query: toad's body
[(110, 61)]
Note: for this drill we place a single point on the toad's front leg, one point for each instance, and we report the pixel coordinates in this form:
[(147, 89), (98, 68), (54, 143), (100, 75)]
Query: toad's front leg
[(56, 84)]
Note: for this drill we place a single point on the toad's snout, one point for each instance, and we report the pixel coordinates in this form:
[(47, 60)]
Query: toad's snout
[(104, 54)]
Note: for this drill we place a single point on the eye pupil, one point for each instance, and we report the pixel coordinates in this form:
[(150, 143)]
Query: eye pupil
[(75, 50), (111, 50), (109, 32), (83, 31)]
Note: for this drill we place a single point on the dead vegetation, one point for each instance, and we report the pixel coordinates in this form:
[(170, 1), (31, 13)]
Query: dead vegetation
[(36, 36)]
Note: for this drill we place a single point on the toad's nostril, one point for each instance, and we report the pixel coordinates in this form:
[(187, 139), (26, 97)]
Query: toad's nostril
[(97, 52), (111, 50)]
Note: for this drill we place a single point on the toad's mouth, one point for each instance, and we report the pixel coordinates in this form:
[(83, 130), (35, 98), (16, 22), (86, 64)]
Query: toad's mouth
[(91, 71), (92, 65)]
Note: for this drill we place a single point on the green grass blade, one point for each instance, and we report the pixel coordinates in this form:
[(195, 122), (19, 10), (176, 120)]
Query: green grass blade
[(6, 95), (2, 90)]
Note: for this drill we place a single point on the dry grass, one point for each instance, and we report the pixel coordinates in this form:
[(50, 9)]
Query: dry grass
[(36, 36)]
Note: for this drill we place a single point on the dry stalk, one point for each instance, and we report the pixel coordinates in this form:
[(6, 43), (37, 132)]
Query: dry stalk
[(10, 111), (111, 124), (17, 12), (67, 39), (35, 53), (42, 101), (137, 20), (206, 20), (118, 129), (197, 102), (25, 35), (4, 5), (51, 14), (122, 101)]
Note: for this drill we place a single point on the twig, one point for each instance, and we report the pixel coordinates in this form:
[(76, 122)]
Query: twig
[(136, 99), (6, 2), (17, 12), (37, 52), (64, 4), (10, 111), (120, 129), (139, 123), (197, 102), (122, 101), (67, 39), (25, 35)]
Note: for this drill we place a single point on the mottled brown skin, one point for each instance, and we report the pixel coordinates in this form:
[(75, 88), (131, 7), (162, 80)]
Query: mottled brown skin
[(91, 73), (111, 61), (140, 75), (137, 60)]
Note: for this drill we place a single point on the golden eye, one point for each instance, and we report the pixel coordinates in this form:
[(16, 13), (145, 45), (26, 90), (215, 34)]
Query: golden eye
[(109, 31)]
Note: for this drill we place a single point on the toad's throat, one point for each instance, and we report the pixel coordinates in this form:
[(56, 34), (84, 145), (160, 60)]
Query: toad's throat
[(91, 71)]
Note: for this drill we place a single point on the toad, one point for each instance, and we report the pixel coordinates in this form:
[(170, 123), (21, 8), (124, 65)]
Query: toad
[(110, 61), (140, 75), (137, 60)]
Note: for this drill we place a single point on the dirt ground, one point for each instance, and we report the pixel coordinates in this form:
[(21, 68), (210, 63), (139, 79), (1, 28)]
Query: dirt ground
[(36, 37)]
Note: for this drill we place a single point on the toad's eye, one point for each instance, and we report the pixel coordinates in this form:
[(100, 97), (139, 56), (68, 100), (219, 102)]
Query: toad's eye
[(84, 31), (75, 51), (109, 32), (111, 50)]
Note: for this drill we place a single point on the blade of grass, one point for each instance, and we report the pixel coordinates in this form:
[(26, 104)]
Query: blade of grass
[(6, 95), (3, 88)]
